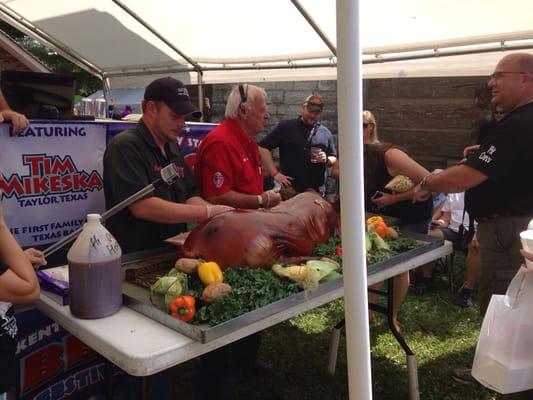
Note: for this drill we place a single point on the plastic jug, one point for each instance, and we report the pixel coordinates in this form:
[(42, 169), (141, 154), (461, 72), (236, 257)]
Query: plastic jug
[(94, 262)]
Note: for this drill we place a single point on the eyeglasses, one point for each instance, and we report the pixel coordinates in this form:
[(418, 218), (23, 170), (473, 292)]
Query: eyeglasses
[(366, 124), (499, 74), (499, 113)]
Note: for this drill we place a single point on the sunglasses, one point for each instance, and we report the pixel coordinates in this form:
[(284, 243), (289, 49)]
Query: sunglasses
[(315, 106)]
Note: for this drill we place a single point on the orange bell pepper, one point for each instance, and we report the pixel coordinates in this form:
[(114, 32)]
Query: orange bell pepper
[(380, 228), (183, 308), (374, 219)]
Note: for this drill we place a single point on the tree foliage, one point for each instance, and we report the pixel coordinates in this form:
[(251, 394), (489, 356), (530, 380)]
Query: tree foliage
[(86, 83)]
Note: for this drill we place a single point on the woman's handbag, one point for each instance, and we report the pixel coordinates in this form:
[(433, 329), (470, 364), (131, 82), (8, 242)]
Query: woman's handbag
[(504, 352)]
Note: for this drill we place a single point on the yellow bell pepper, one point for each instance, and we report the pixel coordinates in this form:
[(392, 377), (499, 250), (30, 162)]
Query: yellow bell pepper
[(210, 272)]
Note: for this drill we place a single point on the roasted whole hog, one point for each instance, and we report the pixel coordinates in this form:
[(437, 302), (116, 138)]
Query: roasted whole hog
[(257, 238)]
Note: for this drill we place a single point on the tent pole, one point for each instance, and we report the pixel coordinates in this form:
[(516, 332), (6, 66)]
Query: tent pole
[(18, 22), (349, 100), (106, 89), (200, 94), (315, 26), (141, 21)]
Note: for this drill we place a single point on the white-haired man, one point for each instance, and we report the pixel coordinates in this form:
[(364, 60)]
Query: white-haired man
[(228, 168), (228, 171)]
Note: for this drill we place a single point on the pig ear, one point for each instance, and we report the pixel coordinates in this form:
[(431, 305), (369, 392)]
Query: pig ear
[(179, 239)]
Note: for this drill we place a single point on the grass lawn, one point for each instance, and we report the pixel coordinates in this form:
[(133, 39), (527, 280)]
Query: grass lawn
[(442, 335)]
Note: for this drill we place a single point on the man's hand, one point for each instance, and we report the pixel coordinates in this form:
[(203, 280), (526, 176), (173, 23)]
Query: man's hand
[(270, 198), (284, 180), (18, 121), (217, 209), (470, 149), (527, 255), (36, 257), (474, 242), (420, 194)]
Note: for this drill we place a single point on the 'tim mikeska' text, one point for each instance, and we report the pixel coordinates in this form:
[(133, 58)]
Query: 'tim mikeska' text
[(54, 179)]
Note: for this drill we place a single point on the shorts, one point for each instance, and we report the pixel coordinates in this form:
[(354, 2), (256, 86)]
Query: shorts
[(449, 234)]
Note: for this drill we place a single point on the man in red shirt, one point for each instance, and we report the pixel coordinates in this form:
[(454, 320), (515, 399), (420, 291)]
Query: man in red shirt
[(228, 171), (228, 167)]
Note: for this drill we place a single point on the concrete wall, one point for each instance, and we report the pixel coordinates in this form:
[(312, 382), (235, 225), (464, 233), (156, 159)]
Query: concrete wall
[(431, 118), (285, 100)]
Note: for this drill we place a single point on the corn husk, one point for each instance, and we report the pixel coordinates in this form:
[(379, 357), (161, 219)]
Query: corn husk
[(400, 184)]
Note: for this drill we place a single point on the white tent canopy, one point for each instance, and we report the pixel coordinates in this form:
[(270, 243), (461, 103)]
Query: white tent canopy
[(131, 42)]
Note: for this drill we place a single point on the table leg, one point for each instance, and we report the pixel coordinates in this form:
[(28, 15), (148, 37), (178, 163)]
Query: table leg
[(412, 369), (334, 348), (108, 379), (143, 388)]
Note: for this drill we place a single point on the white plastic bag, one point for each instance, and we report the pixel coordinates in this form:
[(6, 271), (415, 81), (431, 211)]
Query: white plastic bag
[(504, 352)]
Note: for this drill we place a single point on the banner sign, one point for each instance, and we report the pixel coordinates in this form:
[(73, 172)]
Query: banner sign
[(53, 364), (52, 175), (51, 179)]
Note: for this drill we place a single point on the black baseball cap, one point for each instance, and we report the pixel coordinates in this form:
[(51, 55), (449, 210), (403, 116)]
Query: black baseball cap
[(174, 94)]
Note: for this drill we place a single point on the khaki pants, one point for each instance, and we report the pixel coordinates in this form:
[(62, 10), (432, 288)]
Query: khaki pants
[(499, 253)]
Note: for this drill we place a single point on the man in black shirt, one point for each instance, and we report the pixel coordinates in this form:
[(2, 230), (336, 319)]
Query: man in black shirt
[(306, 148), (498, 177), (133, 160)]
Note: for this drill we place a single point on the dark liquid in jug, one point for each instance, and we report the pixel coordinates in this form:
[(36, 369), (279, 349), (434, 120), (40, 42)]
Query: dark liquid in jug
[(95, 288)]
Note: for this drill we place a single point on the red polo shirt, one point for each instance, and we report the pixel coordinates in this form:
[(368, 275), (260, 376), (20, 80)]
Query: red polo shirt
[(228, 159)]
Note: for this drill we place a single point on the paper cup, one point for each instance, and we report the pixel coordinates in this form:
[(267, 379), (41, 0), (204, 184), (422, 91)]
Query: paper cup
[(526, 237)]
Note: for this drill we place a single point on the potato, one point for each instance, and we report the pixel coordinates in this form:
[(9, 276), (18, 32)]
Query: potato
[(392, 233), (187, 265), (214, 291)]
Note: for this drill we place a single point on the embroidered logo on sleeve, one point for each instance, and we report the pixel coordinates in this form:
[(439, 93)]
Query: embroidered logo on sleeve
[(218, 179), (486, 156)]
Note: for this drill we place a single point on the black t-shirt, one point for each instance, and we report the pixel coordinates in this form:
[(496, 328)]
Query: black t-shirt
[(506, 157), (132, 161), (294, 139), (407, 211)]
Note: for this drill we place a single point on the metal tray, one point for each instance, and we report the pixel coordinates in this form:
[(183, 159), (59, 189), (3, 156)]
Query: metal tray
[(138, 299), (429, 243)]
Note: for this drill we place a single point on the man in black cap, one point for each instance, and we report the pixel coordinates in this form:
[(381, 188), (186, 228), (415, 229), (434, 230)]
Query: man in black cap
[(133, 160), (306, 148)]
